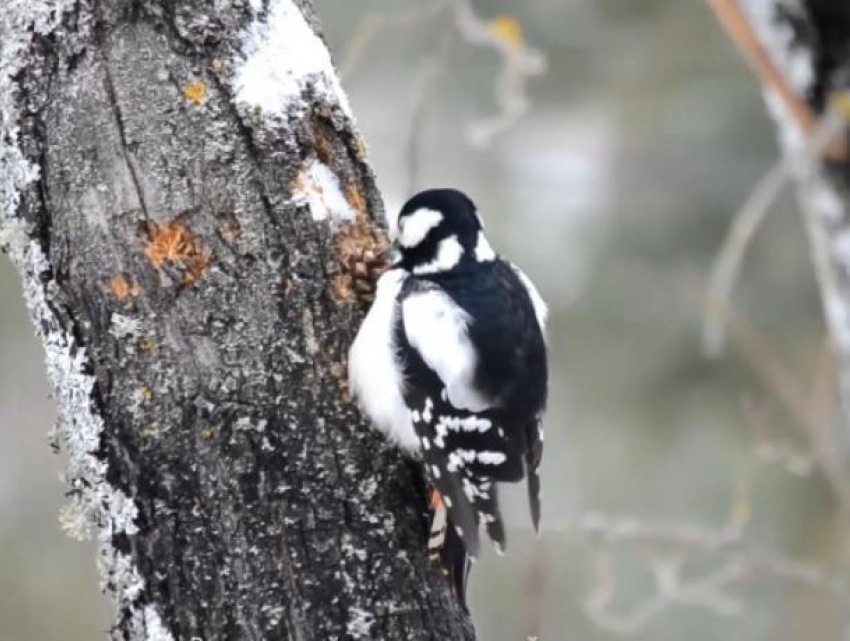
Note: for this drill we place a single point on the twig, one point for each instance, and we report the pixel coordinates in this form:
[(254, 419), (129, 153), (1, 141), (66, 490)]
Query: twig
[(535, 590), (727, 265), (822, 395), (791, 393), (671, 588), (621, 528), (372, 25), (671, 547), (519, 63), (772, 450)]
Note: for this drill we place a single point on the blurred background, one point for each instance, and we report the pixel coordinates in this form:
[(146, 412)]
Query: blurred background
[(683, 496)]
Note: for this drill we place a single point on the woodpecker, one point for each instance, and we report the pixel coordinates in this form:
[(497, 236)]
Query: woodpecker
[(450, 363)]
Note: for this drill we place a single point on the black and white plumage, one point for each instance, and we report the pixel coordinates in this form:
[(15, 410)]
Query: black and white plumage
[(451, 363)]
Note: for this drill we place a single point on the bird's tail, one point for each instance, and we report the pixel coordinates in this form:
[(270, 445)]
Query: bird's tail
[(447, 549), (533, 483), (533, 456)]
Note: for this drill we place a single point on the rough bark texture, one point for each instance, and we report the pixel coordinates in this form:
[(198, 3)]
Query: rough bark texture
[(809, 40), (182, 284)]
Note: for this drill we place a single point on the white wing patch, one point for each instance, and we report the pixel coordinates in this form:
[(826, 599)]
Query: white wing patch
[(541, 310), (373, 370), (437, 328)]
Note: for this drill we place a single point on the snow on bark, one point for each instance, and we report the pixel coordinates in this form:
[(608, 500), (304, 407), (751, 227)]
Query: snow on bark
[(319, 188), (263, 81)]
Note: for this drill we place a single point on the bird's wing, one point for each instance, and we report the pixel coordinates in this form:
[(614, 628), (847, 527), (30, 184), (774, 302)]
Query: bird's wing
[(533, 456), (464, 446), (534, 431), (541, 310), (437, 328), (465, 453)]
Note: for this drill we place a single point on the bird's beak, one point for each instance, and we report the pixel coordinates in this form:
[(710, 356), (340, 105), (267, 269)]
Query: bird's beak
[(392, 254)]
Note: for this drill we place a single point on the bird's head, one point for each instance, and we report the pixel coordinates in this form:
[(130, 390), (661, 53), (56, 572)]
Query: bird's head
[(438, 230)]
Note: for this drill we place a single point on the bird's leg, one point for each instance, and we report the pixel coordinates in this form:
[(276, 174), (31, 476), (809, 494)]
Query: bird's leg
[(439, 523)]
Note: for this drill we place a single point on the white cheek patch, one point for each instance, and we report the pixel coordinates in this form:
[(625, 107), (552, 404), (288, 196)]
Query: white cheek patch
[(449, 253), (414, 227)]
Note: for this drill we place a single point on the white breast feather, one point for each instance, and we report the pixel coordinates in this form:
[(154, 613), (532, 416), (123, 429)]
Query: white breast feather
[(436, 327), (373, 371), (540, 308)]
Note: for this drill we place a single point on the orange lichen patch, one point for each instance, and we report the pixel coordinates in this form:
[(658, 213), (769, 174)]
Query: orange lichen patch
[(121, 288), (172, 244), (355, 198), (360, 146), (146, 393), (508, 29), (299, 183), (195, 91), (149, 431), (321, 146), (146, 345), (339, 370)]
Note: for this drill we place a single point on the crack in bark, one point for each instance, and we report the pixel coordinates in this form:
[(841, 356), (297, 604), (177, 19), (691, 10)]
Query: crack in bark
[(109, 85)]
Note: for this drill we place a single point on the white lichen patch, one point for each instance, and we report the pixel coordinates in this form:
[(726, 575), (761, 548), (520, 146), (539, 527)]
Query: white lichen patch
[(360, 623), (282, 61), (13, 234), (19, 19), (74, 521), (125, 326), (97, 505), (244, 424), (154, 629), (318, 187)]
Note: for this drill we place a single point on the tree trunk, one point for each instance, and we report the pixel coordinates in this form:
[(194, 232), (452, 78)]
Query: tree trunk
[(190, 207), (809, 43)]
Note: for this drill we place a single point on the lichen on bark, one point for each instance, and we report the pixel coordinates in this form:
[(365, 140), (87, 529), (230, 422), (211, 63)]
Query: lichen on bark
[(183, 275)]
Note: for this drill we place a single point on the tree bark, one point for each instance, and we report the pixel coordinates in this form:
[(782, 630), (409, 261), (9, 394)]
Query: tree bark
[(188, 201), (809, 42)]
